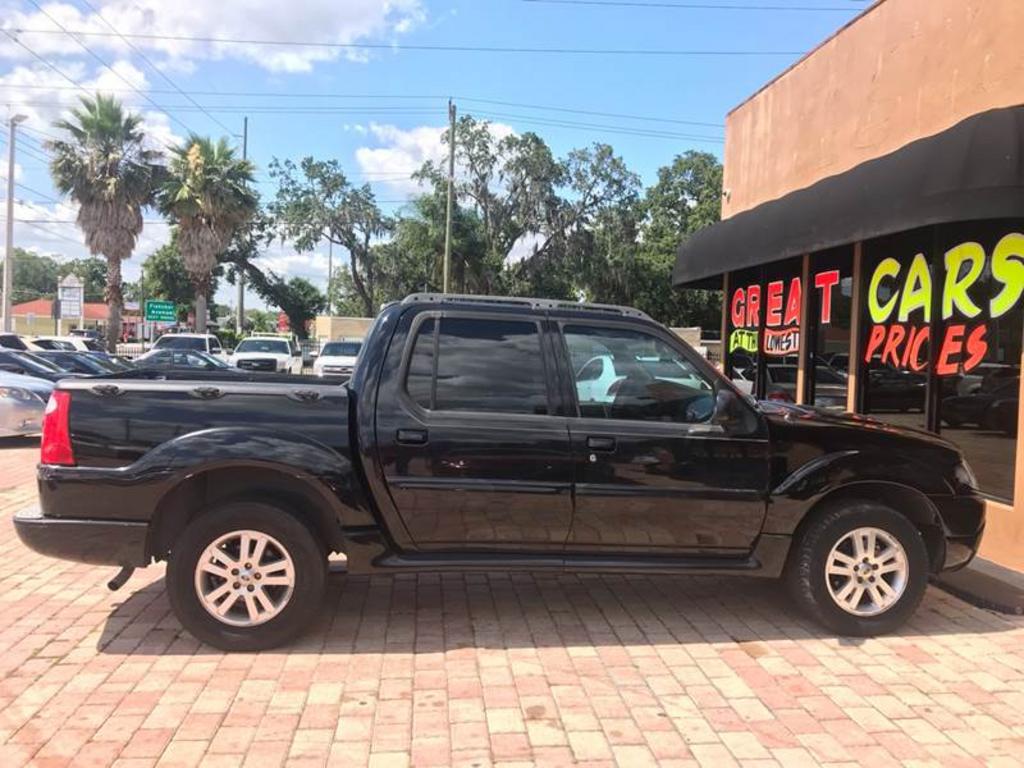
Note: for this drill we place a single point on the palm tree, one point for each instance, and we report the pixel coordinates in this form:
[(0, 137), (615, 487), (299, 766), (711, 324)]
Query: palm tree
[(106, 167), (208, 193)]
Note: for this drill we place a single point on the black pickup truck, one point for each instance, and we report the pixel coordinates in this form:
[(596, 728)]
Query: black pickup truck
[(492, 434)]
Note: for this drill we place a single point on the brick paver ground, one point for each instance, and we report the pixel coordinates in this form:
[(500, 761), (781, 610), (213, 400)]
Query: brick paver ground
[(482, 670)]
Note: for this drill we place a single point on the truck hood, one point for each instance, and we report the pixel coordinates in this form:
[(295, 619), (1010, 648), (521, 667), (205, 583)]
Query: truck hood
[(785, 416), (831, 447)]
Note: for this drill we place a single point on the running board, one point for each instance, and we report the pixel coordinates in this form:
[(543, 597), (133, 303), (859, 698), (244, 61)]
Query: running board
[(369, 556)]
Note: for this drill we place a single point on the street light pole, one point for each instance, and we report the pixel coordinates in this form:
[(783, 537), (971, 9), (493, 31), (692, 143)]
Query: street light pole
[(9, 253)]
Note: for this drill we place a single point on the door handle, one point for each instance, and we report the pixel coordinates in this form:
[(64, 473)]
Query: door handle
[(412, 436), (604, 444)]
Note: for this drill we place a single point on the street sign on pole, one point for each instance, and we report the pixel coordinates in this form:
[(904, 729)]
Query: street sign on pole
[(161, 311), (71, 298)]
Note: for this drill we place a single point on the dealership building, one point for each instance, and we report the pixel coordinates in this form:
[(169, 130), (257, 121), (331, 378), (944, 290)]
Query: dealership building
[(871, 250)]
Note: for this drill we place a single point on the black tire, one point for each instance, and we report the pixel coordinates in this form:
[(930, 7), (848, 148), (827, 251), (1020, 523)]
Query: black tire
[(952, 422), (806, 570), (310, 576)]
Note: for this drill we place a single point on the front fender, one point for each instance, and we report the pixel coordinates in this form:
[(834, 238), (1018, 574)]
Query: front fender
[(796, 493)]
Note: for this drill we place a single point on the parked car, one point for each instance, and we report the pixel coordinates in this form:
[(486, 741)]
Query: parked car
[(829, 385), (984, 408), (12, 341), (194, 342), (68, 343), (460, 443), (175, 359), (276, 354), (598, 380), (891, 389), (337, 358), (81, 362), (31, 364), (22, 400)]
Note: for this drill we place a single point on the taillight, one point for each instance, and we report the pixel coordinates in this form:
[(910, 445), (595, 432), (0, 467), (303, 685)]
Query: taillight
[(55, 447), (781, 396)]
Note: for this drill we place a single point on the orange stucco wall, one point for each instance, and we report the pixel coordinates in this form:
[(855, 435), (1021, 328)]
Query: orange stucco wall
[(902, 70)]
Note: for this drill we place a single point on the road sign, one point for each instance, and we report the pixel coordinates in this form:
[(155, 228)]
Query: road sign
[(161, 311), (70, 298)]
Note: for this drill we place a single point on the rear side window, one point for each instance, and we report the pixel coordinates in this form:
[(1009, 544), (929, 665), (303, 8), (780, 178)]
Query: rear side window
[(488, 365), (419, 380)]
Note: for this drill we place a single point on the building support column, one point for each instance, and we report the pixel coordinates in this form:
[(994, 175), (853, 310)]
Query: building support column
[(725, 325), (804, 371), (855, 367)]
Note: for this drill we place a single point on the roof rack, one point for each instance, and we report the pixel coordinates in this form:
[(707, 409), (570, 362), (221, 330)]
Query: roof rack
[(526, 302)]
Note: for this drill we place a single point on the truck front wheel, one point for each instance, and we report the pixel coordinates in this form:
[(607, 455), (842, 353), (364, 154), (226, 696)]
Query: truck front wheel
[(246, 576), (861, 568)]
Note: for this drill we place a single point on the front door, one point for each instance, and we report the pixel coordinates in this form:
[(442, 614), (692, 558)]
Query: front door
[(654, 472), (473, 455)]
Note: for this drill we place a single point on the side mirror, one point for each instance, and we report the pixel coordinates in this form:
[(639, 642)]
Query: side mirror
[(732, 414), (9, 368)]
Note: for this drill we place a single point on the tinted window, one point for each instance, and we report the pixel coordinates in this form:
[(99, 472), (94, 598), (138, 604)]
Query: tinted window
[(29, 362), (483, 365), (10, 341), (419, 380), (181, 342), (341, 349), (642, 378)]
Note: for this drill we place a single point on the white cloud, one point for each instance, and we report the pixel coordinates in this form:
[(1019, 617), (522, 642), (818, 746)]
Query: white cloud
[(44, 96), (401, 152), (328, 21)]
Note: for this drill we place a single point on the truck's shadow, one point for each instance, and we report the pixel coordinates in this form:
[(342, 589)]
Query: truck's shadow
[(433, 613)]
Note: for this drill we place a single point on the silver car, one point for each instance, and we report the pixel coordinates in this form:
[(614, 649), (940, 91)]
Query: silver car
[(22, 401)]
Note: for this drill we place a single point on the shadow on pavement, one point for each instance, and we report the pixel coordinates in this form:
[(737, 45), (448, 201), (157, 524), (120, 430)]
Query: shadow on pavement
[(437, 613), (14, 443)]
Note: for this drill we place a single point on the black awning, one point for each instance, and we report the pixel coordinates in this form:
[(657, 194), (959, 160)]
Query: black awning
[(974, 170)]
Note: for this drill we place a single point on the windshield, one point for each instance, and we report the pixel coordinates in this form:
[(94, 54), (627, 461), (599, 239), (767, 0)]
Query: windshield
[(181, 342), (32, 362), (341, 349), (269, 346)]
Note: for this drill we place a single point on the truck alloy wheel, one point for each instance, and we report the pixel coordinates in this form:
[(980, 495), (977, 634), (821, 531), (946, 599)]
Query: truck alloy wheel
[(858, 567), (246, 576), (866, 572)]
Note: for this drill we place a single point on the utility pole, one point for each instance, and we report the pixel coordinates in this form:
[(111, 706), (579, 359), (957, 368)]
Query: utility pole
[(330, 274), (239, 274), (8, 321), (451, 193)]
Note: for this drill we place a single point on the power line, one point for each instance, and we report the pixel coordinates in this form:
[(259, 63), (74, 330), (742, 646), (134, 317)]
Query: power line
[(534, 119), (692, 6), (414, 47), (102, 61), (323, 95), (568, 110), (43, 195), (153, 66)]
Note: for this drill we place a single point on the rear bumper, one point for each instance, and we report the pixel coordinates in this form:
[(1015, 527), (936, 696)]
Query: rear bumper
[(99, 542)]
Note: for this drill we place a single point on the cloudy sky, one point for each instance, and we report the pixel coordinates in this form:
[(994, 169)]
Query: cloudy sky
[(367, 82)]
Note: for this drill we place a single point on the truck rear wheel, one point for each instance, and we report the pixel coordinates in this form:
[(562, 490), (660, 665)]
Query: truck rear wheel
[(860, 569), (246, 576)]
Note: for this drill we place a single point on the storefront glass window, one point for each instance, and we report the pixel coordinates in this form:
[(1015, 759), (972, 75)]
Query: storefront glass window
[(830, 306), (978, 362), (896, 327), (950, 298), (742, 342)]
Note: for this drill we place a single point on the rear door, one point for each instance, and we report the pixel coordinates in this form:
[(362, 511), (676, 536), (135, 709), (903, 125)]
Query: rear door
[(654, 472), (473, 453)]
